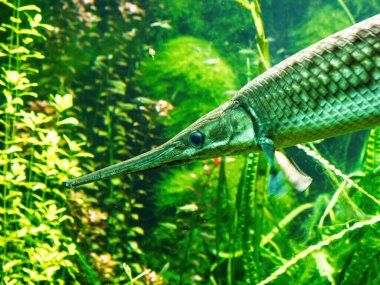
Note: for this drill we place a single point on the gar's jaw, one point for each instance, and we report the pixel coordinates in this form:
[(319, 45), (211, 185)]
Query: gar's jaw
[(226, 130)]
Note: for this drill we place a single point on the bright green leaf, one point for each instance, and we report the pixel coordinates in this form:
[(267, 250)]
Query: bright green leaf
[(19, 50), (138, 230), (11, 264), (10, 5), (68, 121), (29, 8), (51, 270), (12, 76), (63, 102), (38, 186), (18, 101), (30, 32), (13, 149), (47, 27), (15, 20)]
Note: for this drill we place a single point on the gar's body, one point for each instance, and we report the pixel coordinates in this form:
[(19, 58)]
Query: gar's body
[(328, 89)]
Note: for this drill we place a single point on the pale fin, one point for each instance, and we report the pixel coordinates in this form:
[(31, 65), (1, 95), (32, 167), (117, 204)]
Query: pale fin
[(284, 176), (299, 180), (267, 145)]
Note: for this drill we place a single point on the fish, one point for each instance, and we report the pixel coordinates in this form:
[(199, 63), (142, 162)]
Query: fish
[(212, 61), (287, 177), (188, 208), (162, 24), (328, 89), (152, 53)]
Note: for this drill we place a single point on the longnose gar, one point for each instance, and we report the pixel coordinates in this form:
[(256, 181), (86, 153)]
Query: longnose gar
[(328, 89)]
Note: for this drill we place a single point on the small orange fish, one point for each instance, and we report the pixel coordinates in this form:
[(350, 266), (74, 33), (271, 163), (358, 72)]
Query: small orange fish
[(152, 53)]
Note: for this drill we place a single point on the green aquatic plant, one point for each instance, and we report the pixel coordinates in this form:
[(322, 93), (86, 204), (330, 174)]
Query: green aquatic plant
[(371, 160), (36, 155), (209, 21), (322, 19), (317, 25), (93, 55), (187, 70), (195, 207)]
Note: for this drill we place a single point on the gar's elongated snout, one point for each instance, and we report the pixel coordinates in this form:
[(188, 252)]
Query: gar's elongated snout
[(226, 130), (329, 89)]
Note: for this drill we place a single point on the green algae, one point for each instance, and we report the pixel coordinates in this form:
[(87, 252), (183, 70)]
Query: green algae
[(191, 75)]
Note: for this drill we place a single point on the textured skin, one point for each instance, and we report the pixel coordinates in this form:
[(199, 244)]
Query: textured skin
[(328, 89)]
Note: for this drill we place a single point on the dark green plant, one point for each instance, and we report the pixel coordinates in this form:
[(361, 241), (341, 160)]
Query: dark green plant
[(317, 26), (195, 207), (323, 18), (93, 55)]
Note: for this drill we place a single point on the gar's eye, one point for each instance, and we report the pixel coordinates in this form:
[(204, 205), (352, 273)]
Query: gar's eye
[(196, 139)]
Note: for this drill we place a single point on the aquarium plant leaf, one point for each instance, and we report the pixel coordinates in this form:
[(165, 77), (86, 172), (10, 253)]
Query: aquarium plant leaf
[(316, 247), (337, 172), (372, 152)]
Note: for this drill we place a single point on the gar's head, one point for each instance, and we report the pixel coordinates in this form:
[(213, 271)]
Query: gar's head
[(226, 130)]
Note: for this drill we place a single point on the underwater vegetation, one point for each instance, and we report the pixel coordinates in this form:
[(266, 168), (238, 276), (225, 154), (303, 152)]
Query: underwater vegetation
[(201, 75), (80, 91), (36, 155)]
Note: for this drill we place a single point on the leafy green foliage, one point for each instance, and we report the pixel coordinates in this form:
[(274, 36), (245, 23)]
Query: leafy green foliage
[(220, 23), (324, 18), (36, 156), (316, 26), (43, 138), (195, 208), (92, 56)]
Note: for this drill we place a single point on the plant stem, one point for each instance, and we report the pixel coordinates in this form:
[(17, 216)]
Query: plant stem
[(7, 141), (349, 14)]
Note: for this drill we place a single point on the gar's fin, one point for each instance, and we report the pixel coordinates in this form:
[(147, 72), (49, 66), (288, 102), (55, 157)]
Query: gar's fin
[(267, 145), (286, 176), (299, 180), (283, 176)]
